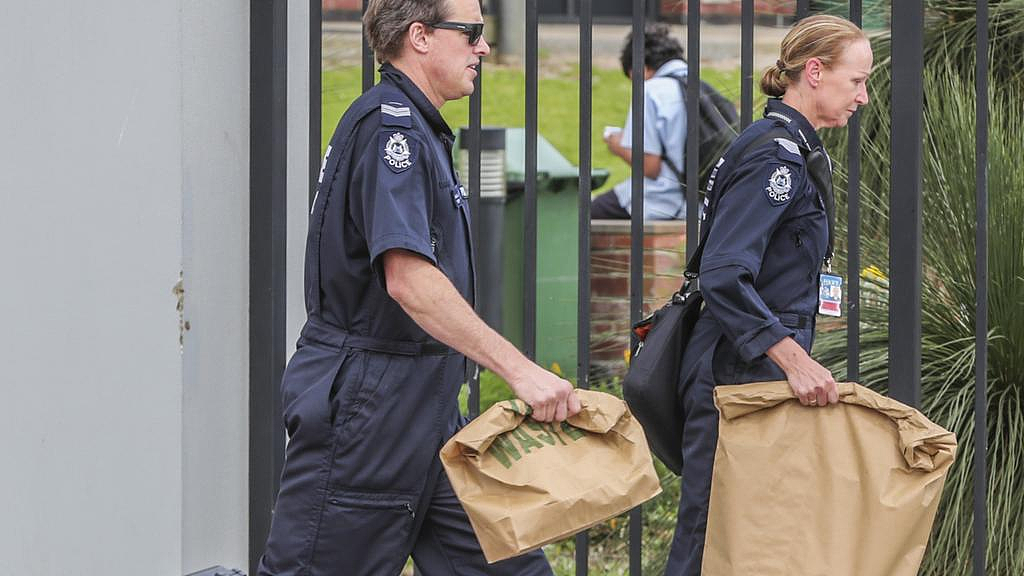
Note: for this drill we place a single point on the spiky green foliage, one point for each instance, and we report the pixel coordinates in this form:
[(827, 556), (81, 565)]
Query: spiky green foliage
[(949, 291), (948, 49), (949, 30)]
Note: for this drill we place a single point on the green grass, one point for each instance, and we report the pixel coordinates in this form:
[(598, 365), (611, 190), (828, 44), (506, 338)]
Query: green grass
[(504, 104)]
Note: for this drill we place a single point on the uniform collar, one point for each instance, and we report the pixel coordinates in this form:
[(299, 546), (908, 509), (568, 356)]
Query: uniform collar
[(794, 121), (397, 78)]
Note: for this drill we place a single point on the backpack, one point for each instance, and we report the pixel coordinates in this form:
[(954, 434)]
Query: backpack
[(718, 128)]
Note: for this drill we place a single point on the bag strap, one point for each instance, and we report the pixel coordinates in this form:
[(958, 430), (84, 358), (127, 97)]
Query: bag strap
[(683, 82), (819, 168), (676, 170), (664, 149)]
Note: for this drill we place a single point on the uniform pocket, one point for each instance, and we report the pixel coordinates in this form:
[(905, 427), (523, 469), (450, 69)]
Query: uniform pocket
[(364, 533), (306, 388), (357, 389), (803, 241)]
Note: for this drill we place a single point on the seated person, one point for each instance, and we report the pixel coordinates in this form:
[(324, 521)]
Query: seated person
[(664, 132)]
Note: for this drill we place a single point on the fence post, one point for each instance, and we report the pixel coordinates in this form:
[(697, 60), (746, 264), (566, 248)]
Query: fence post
[(747, 64), (693, 159), (316, 33), (853, 233), (530, 194), (267, 271), (905, 202), (586, 15), (636, 249)]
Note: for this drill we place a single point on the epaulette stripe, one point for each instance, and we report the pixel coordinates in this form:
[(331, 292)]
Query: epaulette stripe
[(788, 145), (397, 112)]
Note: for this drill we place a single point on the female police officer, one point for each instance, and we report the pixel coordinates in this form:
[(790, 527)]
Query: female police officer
[(769, 235)]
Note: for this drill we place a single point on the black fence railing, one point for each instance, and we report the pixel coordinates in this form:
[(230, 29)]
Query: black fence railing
[(267, 267), (267, 227)]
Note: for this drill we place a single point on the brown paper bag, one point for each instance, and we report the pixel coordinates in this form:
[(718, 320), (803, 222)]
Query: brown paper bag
[(524, 483), (849, 489)]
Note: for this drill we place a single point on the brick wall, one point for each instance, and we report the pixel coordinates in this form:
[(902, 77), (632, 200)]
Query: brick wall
[(664, 260), (329, 5), (730, 7)]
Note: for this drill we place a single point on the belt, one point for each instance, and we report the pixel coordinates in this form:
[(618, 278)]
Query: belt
[(319, 332), (794, 320)]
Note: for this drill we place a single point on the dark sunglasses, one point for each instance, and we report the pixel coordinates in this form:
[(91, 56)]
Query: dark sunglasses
[(473, 31)]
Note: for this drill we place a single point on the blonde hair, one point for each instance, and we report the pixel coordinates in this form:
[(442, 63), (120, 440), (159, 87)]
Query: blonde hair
[(823, 37)]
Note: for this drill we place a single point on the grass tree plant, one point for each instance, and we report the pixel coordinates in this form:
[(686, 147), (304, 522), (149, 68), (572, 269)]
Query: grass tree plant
[(949, 221)]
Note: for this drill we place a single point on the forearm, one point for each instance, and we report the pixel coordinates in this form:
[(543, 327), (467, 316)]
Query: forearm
[(787, 354), (429, 298), (625, 153), (811, 382)]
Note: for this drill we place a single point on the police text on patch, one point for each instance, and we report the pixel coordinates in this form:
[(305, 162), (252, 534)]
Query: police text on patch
[(780, 183), (397, 153)]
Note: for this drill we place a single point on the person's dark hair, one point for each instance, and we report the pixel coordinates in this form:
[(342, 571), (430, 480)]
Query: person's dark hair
[(386, 22), (659, 47), (824, 37)]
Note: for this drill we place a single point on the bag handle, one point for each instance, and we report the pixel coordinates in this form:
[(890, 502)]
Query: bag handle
[(600, 412)]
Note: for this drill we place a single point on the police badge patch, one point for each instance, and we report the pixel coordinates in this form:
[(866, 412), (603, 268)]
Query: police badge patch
[(780, 186), (399, 152)]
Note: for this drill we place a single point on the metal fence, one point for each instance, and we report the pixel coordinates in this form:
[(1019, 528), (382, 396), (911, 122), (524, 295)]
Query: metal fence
[(268, 239)]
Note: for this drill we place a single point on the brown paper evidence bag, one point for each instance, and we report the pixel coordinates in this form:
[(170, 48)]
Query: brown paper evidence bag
[(525, 483), (843, 490)]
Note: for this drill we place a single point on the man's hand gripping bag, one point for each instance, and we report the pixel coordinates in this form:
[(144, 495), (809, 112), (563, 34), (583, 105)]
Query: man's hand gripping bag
[(525, 483)]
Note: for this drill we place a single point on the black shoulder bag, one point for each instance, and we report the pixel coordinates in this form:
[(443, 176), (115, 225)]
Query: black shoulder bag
[(651, 386)]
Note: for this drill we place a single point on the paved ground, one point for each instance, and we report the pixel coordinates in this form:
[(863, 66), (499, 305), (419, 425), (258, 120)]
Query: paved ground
[(559, 44)]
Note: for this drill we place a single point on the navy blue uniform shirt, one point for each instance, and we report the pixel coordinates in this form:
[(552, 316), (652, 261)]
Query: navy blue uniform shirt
[(387, 183), (759, 271)]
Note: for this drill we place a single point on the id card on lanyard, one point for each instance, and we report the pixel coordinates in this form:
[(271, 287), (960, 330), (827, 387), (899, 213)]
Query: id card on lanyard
[(830, 295)]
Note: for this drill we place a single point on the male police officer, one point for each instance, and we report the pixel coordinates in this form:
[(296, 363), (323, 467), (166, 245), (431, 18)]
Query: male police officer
[(371, 393)]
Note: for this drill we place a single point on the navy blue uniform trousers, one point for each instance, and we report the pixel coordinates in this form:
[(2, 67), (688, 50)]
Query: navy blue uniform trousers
[(764, 249), (363, 488)]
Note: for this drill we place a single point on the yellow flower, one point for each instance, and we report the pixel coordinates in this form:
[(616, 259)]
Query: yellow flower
[(873, 272)]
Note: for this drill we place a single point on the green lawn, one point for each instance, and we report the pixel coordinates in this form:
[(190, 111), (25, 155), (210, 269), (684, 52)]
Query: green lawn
[(558, 106)]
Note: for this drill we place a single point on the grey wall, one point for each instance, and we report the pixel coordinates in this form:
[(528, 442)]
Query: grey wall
[(91, 238), (124, 167), (298, 164), (215, 188)]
